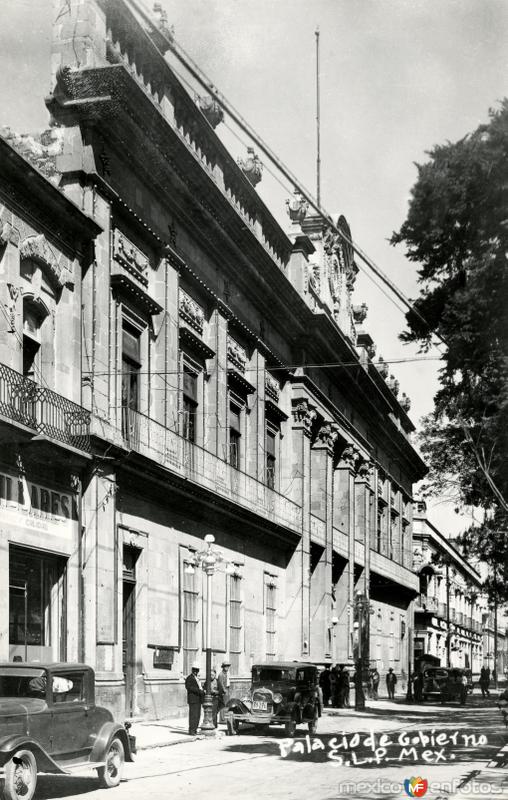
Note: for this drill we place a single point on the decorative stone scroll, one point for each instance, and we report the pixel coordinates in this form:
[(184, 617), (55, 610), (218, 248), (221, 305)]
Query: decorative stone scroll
[(360, 313), (348, 457), (38, 249), (251, 166), (130, 257), (191, 312), (272, 388), (364, 469), (237, 356), (326, 436), (303, 415), (405, 402), (211, 109)]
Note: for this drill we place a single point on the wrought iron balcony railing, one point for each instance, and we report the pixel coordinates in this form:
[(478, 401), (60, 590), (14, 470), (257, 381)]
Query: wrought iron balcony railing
[(26, 402), (206, 469)]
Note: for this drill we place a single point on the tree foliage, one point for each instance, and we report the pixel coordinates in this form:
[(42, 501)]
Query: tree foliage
[(457, 232)]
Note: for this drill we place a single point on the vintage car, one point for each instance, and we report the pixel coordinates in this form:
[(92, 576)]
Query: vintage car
[(49, 723), (281, 693), (448, 683)]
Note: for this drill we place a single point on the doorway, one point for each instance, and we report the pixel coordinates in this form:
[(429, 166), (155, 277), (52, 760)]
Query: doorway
[(130, 556)]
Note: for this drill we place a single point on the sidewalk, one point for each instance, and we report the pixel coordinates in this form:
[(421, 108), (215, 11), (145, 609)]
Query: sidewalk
[(160, 732)]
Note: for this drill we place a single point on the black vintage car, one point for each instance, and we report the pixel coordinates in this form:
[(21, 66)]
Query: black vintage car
[(49, 723), (281, 693), (448, 683)]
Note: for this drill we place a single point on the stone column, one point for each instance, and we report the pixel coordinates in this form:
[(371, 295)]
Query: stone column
[(322, 507), (297, 628), (344, 520), (362, 524)]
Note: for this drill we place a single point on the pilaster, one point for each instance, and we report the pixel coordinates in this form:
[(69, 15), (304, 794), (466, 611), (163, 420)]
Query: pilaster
[(297, 628), (344, 520), (216, 433)]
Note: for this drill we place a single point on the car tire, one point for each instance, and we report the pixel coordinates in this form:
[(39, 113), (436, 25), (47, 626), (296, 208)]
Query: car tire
[(20, 777), (290, 728), (314, 722), (111, 773)]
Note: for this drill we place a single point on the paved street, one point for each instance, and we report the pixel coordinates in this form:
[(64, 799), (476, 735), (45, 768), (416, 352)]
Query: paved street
[(386, 744)]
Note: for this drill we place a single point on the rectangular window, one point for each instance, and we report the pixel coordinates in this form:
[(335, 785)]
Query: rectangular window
[(271, 458), (190, 402), (235, 623), (270, 617), (131, 365), (189, 617), (235, 434)]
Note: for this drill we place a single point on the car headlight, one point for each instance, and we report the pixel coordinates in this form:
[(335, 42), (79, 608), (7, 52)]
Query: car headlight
[(277, 698)]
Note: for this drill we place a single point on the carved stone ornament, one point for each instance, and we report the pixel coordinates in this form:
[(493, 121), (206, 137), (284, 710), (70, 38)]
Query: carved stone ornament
[(303, 415), (160, 17), (364, 469), (393, 385), (8, 233), (314, 277), (297, 208), (130, 257), (38, 249), (14, 293), (251, 166), (272, 388), (348, 457), (360, 313), (371, 350), (326, 436), (405, 402), (191, 312), (237, 356), (210, 109), (382, 367)]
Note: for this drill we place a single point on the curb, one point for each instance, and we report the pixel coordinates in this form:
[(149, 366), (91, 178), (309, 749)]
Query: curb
[(155, 745)]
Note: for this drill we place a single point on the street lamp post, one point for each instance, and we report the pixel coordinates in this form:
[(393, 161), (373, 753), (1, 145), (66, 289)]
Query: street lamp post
[(208, 560)]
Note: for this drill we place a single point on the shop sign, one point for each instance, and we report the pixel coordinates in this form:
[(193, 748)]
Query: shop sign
[(30, 505)]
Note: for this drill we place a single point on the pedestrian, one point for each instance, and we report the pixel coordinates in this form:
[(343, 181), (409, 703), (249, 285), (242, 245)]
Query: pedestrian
[(418, 681), (214, 691), (334, 686), (195, 697), (376, 678), (345, 687), (325, 684), (485, 681), (391, 682), (223, 684)]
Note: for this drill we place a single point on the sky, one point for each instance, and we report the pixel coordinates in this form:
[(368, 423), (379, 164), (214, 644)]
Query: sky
[(397, 77)]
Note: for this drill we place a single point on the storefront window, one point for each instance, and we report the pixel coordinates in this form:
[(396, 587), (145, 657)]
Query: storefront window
[(36, 603)]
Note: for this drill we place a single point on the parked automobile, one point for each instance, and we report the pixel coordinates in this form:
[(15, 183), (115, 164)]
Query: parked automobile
[(449, 683), (281, 693), (49, 723)]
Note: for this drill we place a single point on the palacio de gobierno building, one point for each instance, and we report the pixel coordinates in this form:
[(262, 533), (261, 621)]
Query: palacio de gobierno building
[(156, 320)]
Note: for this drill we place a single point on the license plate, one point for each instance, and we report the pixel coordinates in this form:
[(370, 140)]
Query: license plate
[(258, 705)]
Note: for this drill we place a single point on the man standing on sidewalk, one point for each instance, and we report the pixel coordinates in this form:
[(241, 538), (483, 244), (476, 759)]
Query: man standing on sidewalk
[(391, 681), (223, 682), (195, 697)]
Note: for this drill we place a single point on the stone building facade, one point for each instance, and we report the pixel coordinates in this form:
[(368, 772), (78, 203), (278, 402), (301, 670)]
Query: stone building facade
[(451, 611), (193, 317)]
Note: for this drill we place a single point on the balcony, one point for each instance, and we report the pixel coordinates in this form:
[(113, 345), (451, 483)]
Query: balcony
[(194, 463), (27, 403), (441, 610)]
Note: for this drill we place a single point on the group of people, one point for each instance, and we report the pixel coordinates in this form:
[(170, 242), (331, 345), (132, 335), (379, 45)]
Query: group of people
[(485, 681), (219, 689), (335, 682)]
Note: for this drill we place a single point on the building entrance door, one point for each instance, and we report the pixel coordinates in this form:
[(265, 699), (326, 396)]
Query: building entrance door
[(130, 555)]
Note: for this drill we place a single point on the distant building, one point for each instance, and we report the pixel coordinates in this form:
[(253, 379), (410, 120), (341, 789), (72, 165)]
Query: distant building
[(171, 324), (453, 622)]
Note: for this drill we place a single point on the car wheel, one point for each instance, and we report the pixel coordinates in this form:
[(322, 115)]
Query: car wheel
[(290, 728), (20, 776), (111, 773), (314, 723)]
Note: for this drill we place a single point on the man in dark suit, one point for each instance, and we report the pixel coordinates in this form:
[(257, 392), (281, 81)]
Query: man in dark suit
[(195, 695)]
